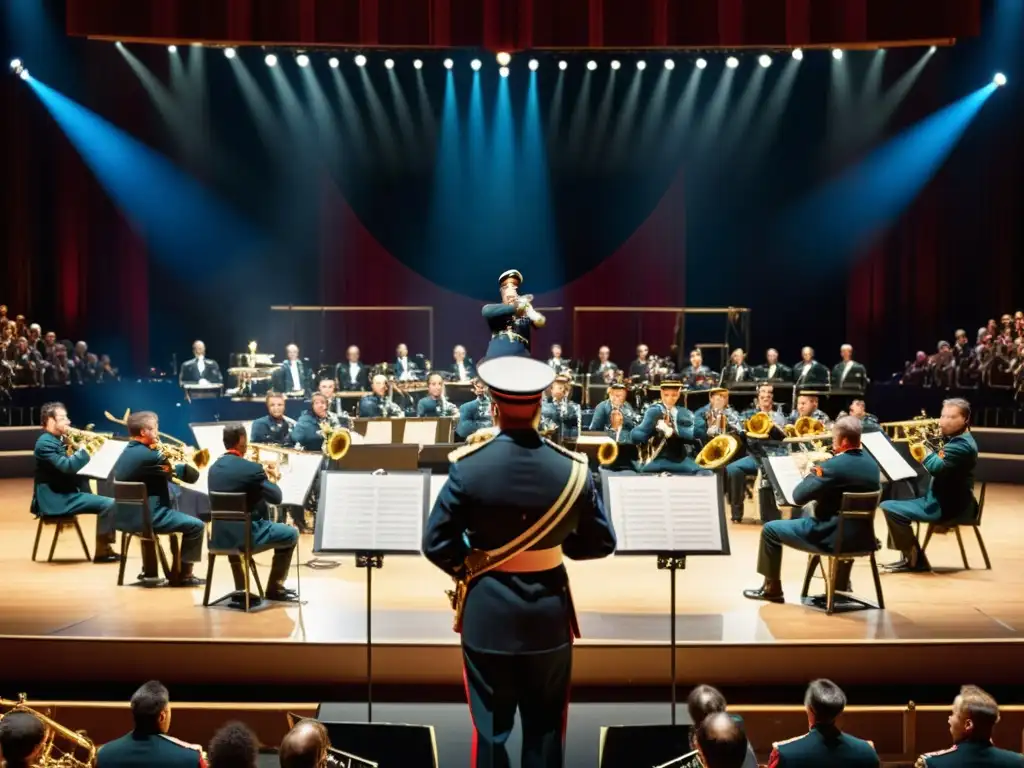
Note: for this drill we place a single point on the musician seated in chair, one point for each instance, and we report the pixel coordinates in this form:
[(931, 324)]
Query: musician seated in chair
[(142, 461), (715, 418), (57, 491), (809, 371), (327, 388), (233, 473), (462, 368), (738, 471), (560, 410), (616, 401), (476, 414), (667, 433), (950, 496), (851, 469), (435, 404), (737, 371), (275, 427), (352, 375), (200, 369), (603, 368), (848, 373), (868, 421), (377, 404), (308, 432), (807, 405), (773, 370), (697, 375)]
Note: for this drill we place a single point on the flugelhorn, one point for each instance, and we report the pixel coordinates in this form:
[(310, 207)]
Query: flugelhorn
[(526, 303), (76, 750)]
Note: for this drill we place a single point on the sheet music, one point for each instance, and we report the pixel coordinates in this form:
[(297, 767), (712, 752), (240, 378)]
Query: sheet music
[(101, 464), (593, 440), (666, 514), (420, 432), (211, 436), (297, 476), (787, 475), (436, 484), (893, 465), (371, 513), (378, 432)]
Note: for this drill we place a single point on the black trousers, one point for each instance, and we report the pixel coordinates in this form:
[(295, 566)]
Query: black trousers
[(537, 685)]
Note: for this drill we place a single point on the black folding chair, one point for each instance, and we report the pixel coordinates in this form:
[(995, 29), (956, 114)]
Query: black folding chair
[(232, 509), (971, 520), (858, 508), (134, 519)]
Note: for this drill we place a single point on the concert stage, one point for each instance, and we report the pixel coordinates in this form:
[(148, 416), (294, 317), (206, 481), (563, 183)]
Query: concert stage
[(948, 627)]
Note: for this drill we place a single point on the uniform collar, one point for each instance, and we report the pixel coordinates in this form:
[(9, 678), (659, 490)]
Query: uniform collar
[(233, 452)]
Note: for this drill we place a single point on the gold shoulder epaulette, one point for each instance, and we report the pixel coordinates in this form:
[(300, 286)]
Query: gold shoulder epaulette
[(922, 761), (465, 450), (181, 743), (784, 742), (580, 457)]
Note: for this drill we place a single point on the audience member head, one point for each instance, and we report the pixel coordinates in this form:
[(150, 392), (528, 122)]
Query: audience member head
[(235, 438), (704, 700), (275, 404), (846, 433), (54, 418), (34, 332), (143, 426), (233, 746), (21, 739), (974, 716), (50, 338), (151, 708), (80, 349), (304, 746), (955, 417), (824, 701), (721, 741)]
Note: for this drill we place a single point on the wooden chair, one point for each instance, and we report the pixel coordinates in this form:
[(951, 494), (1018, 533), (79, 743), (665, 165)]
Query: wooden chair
[(59, 523), (232, 509), (134, 520), (970, 521), (859, 508)]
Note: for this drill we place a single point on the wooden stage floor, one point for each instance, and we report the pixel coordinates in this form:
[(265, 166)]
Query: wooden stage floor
[(623, 601)]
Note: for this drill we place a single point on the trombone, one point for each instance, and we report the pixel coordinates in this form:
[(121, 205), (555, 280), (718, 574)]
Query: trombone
[(922, 434)]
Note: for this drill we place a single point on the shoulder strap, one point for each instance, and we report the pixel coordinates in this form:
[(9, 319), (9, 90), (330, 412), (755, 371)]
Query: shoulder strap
[(480, 562)]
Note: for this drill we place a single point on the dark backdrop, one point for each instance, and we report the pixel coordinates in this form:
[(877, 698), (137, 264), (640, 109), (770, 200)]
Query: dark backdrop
[(669, 218)]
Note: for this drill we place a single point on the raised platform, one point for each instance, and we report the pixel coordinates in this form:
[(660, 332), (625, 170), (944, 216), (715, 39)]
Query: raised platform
[(88, 630)]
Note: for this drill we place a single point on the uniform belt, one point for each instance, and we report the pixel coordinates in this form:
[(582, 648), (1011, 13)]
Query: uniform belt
[(533, 560), (512, 336)]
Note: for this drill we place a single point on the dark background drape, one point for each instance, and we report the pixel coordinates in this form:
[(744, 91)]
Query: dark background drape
[(77, 263)]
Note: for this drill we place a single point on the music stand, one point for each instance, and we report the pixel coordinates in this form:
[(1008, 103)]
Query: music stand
[(435, 457), (366, 458), (350, 507), (688, 508)]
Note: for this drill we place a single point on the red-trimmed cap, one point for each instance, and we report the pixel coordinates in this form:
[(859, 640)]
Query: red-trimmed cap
[(513, 379)]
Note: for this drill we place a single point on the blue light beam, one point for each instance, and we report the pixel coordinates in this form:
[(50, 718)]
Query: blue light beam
[(178, 217)]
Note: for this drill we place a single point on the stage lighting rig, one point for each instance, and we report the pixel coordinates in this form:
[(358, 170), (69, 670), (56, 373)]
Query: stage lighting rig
[(448, 63), (389, 63), (732, 62), (616, 64), (476, 64), (591, 65), (764, 60), (504, 58), (533, 65), (641, 65), (702, 63), (230, 53), (270, 60), (360, 60), (334, 62), (302, 60), (798, 54), (670, 64), (172, 49), (417, 64), (999, 79), (563, 65), (837, 54), (503, 71)]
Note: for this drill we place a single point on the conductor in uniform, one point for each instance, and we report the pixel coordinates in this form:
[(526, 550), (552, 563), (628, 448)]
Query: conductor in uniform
[(512, 320), (851, 469), (950, 494), (233, 473), (517, 620)]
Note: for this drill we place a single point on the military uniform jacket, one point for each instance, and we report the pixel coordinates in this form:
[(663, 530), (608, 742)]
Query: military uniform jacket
[(603, 415), (138, 750), (853, 470), (428, 406), (676, 448), (55, 475), (376, 407), (568, 421), (349, 383), (190, 372), (503, 317), (729, 374), (267, 429), (139, 463), (810, 374), (700, 377), (700, 422), (952, 469), (282, 377), (856, 376), (971, 754), (474, 415), (824, 745), (306, 432), (233, 474), (781, 373), (495, 491)]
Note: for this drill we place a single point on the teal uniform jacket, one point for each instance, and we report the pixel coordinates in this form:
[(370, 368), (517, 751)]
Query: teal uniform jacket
[(568, 423), (495, 491), (870, 424), (700, 422), (306, 432), (474, 415), (602, 416), (429, 407), (134, 750), (951, 493), (272, 431), (971, 753), (139, 463), (854, 471), (824, 745), (516, 337), (233, 474), (674, 457), (58, 488)]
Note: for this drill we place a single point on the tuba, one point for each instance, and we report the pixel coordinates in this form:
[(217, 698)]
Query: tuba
[(719, 451), (75, 749)]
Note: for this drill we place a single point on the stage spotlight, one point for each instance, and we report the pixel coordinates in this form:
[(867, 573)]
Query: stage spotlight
[(534, 64), (23, 74), (448, 63), (999, 79), (503, 71), (591, 65), (764, 60), (389, 63), (229, 53), (302, 60), (641, 65), (271, 60), (172, 49), (360, 60), (615, 64), (702, 63), (16, 65), (670, 64), (418, 64), (732, 62), (563, 65), (837, 54), (476, 64), (333, 62), (504, 58), (933, 49), (798, 54)]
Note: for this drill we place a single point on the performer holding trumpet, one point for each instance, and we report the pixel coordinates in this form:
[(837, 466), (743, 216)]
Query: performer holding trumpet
[(667, 433), (435, 403), (233, 473), (147, 460), (512, 320), (59, 453)]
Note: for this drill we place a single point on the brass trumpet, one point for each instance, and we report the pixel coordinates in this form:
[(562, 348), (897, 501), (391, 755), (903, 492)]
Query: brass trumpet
[(182, 454), (76, 750)]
